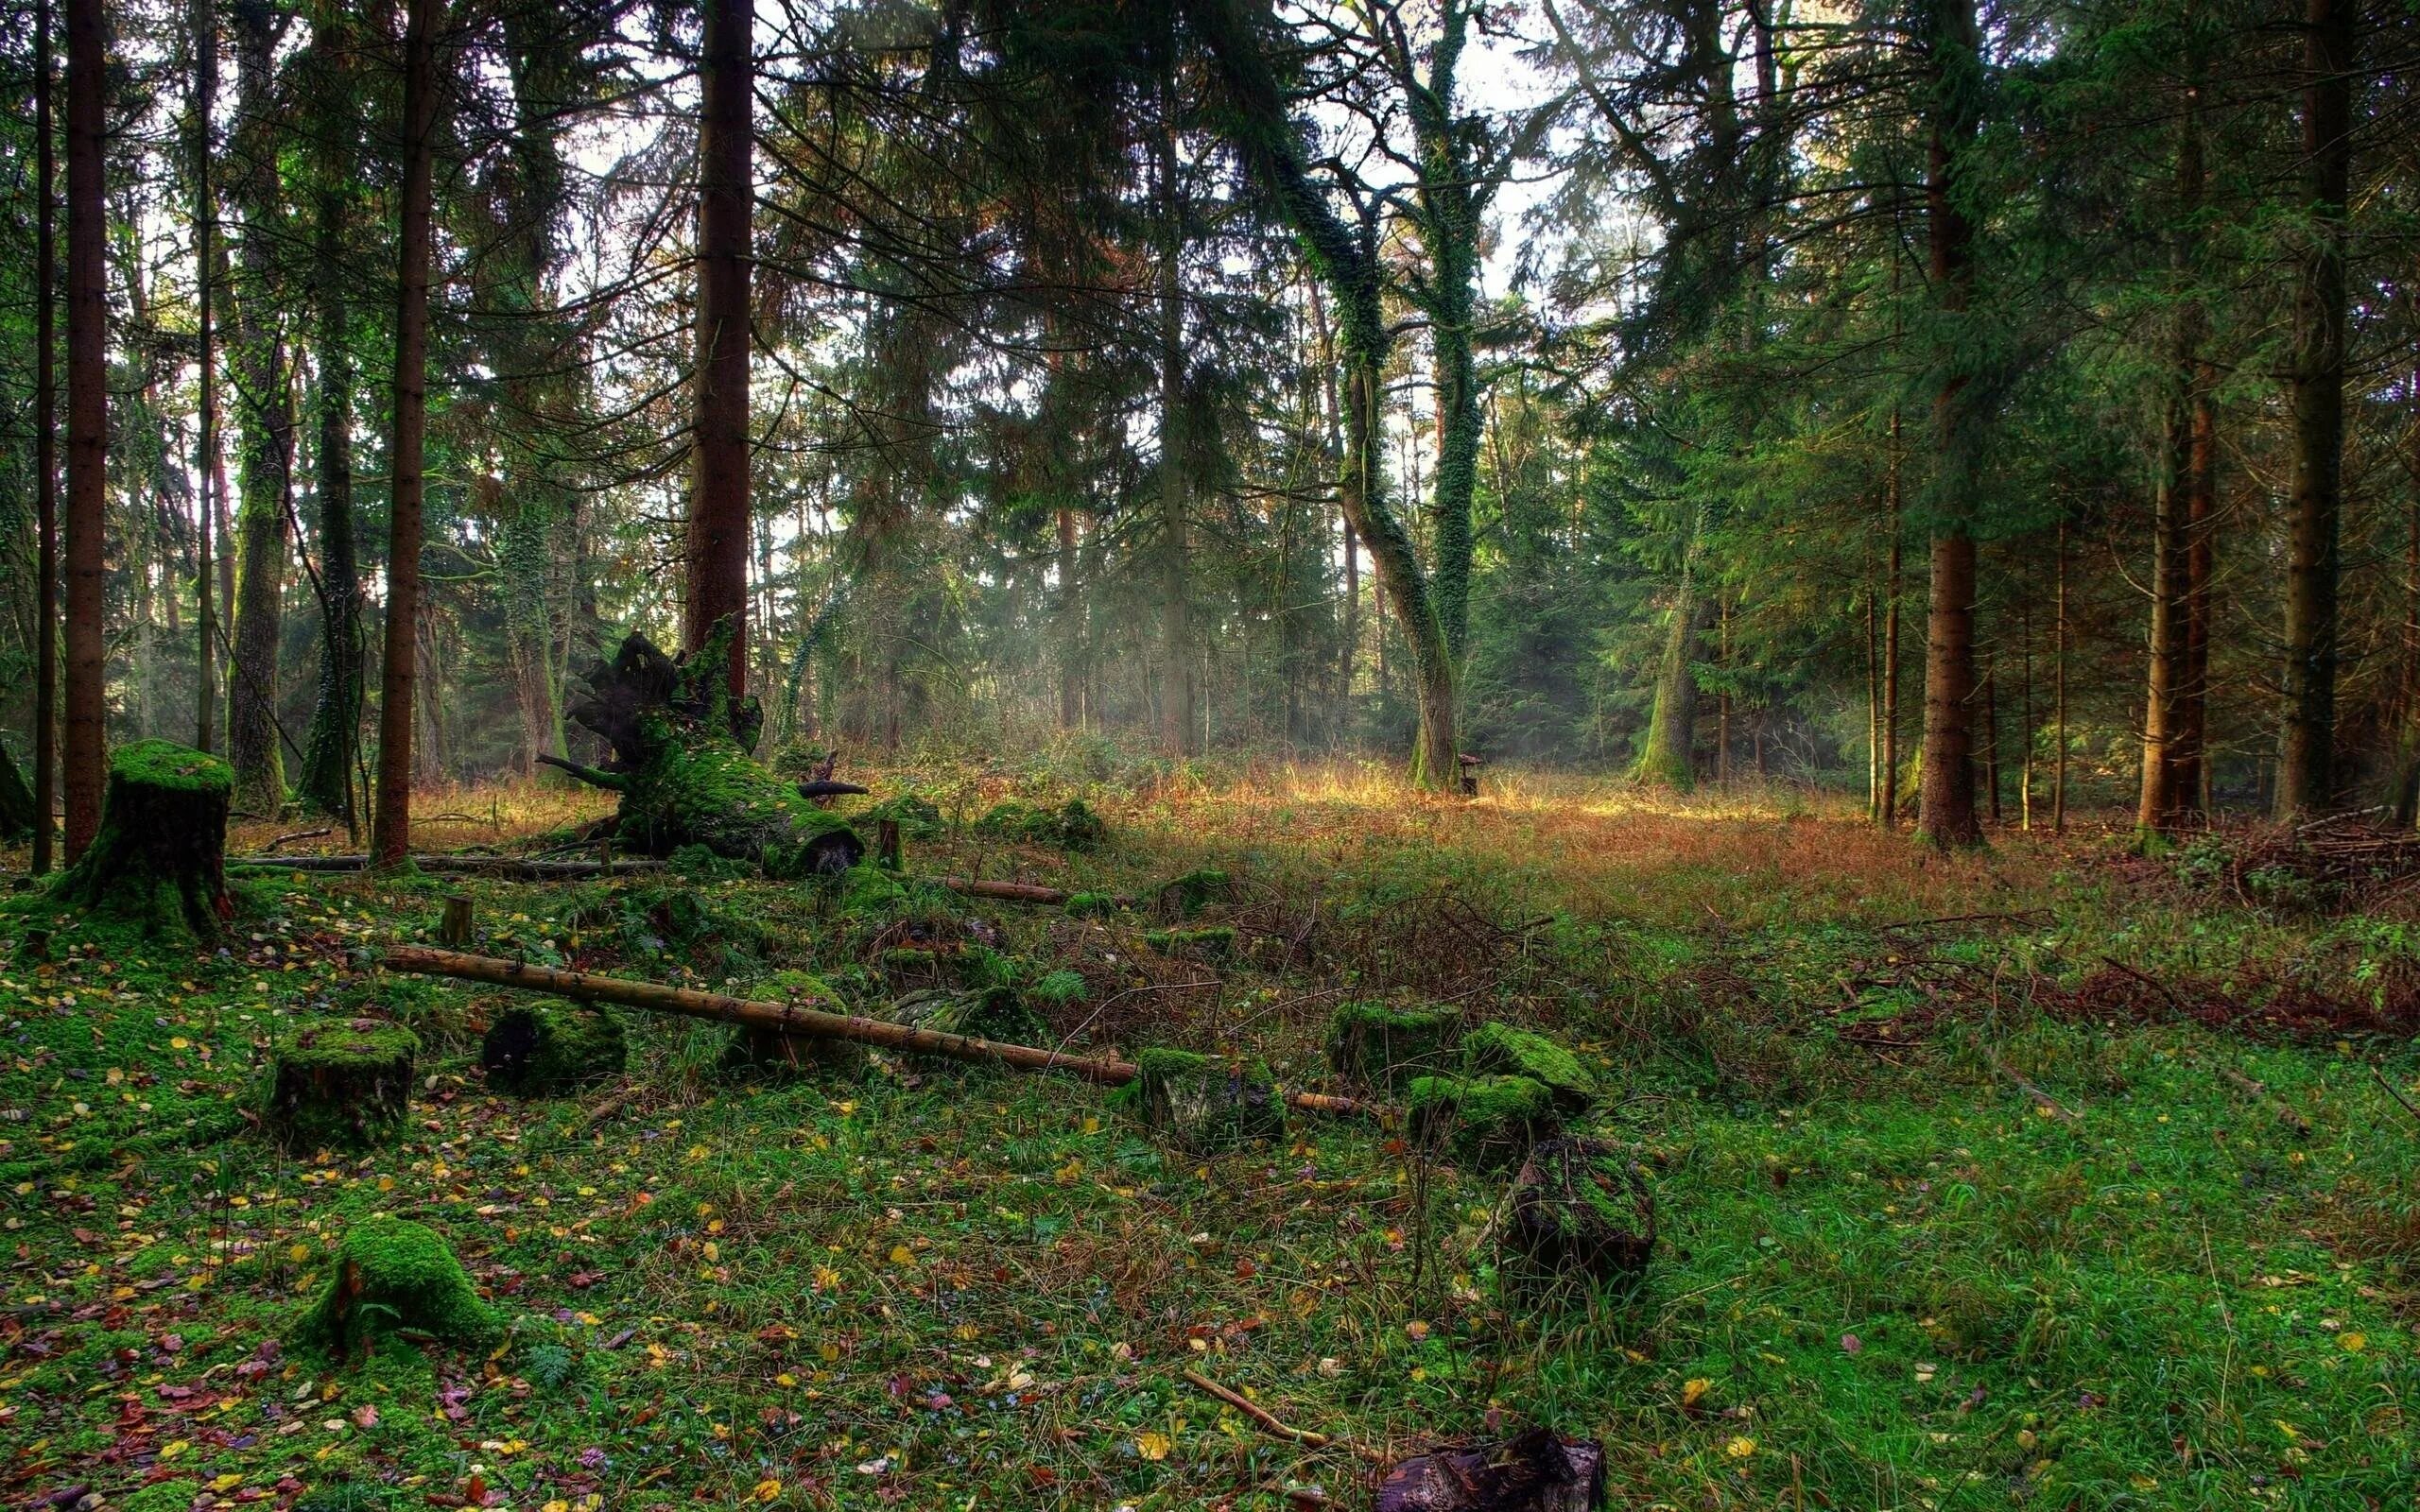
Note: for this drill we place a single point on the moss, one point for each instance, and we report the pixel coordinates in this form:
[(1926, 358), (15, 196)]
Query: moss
[(1091, 905), (1582, 1207), (1205, 1103), (16, 801), (1381, 1046), (1491, 1120), (160, 1496), (339, 1086), (1182, 897), (997, 1013), (917, 819), (538, 1049), (393, 1274), (344, 1496), (1072, 826), (1500, 1050), (1215, 944)]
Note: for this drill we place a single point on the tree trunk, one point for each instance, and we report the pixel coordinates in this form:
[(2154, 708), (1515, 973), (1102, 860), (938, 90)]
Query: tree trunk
[(2168, 776), (1894, 591), (2059, 688), (336, 718), (1176, 635), (1946, 805), (2306, 759), (1667, 754), (390, 838), (205, 276), (2190, 735), (1071, 627), (718, 506), (45, 794), (87, 426)]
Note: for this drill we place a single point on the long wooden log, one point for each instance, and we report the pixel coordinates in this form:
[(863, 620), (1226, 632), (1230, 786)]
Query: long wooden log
[(473, 865), (780, 1018), (1014, 892)]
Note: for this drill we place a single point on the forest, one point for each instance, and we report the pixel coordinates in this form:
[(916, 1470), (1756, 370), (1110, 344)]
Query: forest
[(1417, 755)]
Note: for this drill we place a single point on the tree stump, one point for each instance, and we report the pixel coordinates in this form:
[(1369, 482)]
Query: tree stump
[(1539, 1471), (16, 801), (756, 1051), (393, 1274), (683, 765), (339, 1086), (1379, 1047), (1490, 1121), (1582, 1208), (1500, 1050), (538, 1049), (1206, 1105), (159, 859)]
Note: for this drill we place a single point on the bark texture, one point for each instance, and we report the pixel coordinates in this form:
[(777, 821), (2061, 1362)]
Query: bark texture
[(87, 426), (718, 528)]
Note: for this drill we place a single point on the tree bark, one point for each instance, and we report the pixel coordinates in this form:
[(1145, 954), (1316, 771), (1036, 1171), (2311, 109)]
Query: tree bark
[(2170, 769), (87, 426), (46, 753), (206, 462), (390, 838), (1895, 591), (1946, 805), (2306, 760), (2191, 735), (336, 718), (1667, 754), (718, 501), (1176, 633)]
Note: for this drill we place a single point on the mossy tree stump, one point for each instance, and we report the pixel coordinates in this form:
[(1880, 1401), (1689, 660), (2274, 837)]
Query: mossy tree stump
[(1500, 1050), (1582, 1207), (339, 1086), (16, 801), (159, 859), (1206, 1104), (1539, 1471), (1378, 1046), (1490, 1119), (753, 1050), (538, 1049), (684, 766), (395, 1275)]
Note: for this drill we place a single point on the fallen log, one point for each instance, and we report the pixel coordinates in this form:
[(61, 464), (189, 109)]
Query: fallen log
[(588, 987), (469, 866), (1014, 892)]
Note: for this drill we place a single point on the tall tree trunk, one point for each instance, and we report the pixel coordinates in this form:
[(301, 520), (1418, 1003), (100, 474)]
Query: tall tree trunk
[(2305, 758), (1176, 633), (2059, 686), (392, 835), (2167, 797), (45, 460), (2190, 733), (1946, 805), (1071, 627), (87, 426), (335, 717), (264, 394), (207, 466), (1894, 592), (718, 509), (1667, 753)]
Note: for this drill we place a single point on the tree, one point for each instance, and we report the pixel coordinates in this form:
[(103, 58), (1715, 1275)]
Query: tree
[(204, 148), (718, 513), (391, 834), (2315, 398), (45, 463), (87, 426)]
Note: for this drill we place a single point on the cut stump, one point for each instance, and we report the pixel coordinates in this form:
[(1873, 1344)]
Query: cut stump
[(1539, 1471), (396, 1274), (159, 859), (1582, 1207), (1489, 1119), (1500, 1050), (538, 1049), (1379, 1047), (339, 1086), (1204, 1104)]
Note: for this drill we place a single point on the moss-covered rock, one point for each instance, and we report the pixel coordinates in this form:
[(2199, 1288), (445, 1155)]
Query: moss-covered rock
[(1205, 1103), (1380, 1046), (339, 1085), (394, 1274), (1583, 1208), (1182, 897), (159, 859), (539, 1049), (1490, 1119), (1500, 1050), (1213, 944)]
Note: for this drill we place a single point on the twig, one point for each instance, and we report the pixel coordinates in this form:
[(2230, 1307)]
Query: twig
[(2392, 1093), (302, 835), (2042, 1099), (2258, 1092), (1256, 1412)]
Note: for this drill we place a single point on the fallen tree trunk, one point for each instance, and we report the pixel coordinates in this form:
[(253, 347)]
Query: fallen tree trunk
[(471, 866), (1014, 892), (588, 987)]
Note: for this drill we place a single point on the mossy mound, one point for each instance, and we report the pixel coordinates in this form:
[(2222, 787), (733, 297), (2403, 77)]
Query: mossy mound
[(1072, 826), (160, 1496), (539, 1049), (1500, 1050), (874, 894), (1583, 1208), (1215, 944), (159, 859), (655, 919), (1490, 1119), (1091, 905), (759, 1051), (1205, 1103), (996, 1013), (1182, 897), (393, 1275), (917, 817), (1378, 1046), (339, 1086)]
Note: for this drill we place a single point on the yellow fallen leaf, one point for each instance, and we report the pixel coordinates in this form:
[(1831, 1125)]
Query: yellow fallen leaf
[(1740, 1448), (902, 1255), (2352, 1343), (767, 1490), (1152, 1445), (1693, 1390), (171, 1451)]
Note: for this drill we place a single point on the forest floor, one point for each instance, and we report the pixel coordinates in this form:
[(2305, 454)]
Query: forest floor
[(2050, 1176)]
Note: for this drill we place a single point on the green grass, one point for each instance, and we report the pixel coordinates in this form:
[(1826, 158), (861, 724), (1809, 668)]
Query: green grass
[(1887, 1275)]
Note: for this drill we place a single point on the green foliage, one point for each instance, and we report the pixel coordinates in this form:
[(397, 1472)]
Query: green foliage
[(1381, 1046)]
